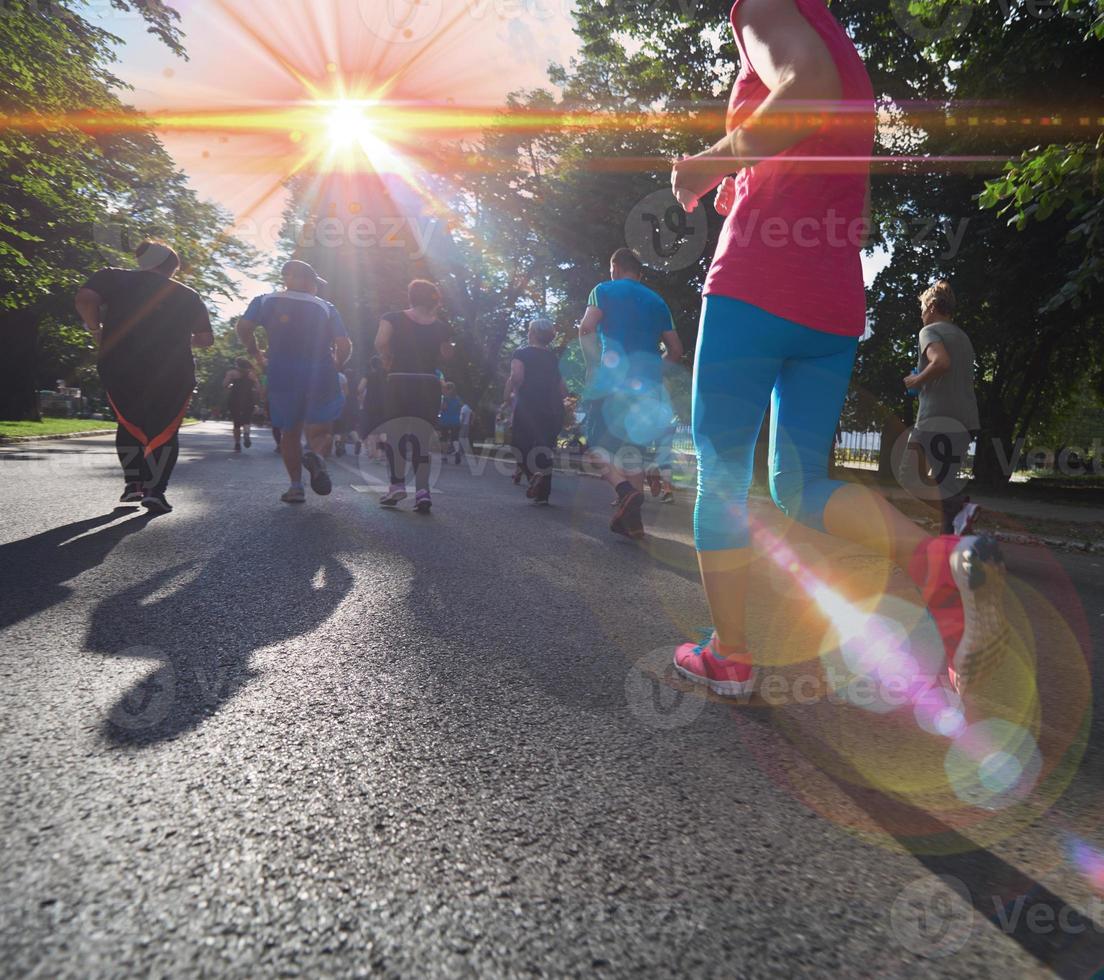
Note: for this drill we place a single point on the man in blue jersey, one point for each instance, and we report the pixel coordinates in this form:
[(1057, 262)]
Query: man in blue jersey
[(307, 345), (627, 405)]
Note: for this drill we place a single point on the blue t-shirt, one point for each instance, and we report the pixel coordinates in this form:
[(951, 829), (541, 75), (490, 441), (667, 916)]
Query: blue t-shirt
[(634, 318), (450, 410), (301, 327)]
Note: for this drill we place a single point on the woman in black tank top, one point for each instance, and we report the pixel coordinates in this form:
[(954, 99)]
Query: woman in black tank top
[(538, 415), (413, 343)]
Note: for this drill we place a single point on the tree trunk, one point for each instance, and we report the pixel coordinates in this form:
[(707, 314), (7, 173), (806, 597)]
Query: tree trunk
[(994, 459), (18, 366)]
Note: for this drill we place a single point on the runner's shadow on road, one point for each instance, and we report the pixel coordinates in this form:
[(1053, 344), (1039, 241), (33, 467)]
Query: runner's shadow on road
[(33, 571), (204, 620)]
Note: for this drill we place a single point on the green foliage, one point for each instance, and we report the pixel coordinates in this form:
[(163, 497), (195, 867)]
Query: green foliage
[(75, 195)]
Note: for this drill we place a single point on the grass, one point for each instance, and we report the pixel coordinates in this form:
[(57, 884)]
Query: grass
[(59, 427), (51, 427)]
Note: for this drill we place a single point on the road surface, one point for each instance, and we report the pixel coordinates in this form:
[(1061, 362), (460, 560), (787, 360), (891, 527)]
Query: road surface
[(248, 739)]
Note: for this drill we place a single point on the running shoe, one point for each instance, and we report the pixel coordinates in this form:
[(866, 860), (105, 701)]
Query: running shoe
[(133, 494), (964, 519), (423, 502), (320, 480), (627, 519), (541, 489), (727, 676), (396, 493), (247, 440), (294, 495), (237, 447), (655, 482), (978, 571), (156, 503)]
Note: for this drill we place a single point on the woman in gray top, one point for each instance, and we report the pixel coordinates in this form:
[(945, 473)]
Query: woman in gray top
[(947, 416)]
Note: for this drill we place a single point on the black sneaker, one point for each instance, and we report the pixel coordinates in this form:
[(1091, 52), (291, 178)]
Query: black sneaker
[(133, 494), (627, 519), (320, 480), (156, 503)]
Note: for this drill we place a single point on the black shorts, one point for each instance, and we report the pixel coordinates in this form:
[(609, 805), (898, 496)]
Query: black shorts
[(414, 396)]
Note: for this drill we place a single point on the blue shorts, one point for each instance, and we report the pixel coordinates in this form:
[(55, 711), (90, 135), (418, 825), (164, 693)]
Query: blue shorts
[(303, 394), (632, 417)]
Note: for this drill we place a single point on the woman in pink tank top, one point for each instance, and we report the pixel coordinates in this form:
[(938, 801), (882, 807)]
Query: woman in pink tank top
[(782, 311)]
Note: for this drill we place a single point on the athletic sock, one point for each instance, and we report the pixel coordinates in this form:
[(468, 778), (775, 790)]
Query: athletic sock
[(624, 488)]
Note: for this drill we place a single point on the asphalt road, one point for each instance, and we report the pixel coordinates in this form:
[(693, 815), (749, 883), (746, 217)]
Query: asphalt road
[(247, 739)]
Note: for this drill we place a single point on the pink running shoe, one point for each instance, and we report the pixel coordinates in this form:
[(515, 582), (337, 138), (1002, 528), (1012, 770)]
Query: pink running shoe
[(722, 675)]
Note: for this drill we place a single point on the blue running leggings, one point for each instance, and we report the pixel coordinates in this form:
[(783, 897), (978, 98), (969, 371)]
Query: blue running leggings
[(746, 358)]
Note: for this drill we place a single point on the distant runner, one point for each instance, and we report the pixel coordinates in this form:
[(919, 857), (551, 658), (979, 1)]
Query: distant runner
[(307, 344), (450, 422), (627, 402), (241, 382), (144, 325), (412, 344), (540, 391)]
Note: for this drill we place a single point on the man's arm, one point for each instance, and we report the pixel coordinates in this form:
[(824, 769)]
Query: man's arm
[(202, 333), (515, 380), (89, 304), (939, 363), (343, 350), (247, 334), (383, 343), (673, 342), (588, 339)]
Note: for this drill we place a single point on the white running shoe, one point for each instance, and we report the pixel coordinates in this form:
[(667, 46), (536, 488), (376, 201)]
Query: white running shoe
[(294, 495), (964, 519), (978, 570)]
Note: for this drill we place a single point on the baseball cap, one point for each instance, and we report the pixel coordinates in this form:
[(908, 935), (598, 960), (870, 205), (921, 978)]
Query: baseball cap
[(305, 269)]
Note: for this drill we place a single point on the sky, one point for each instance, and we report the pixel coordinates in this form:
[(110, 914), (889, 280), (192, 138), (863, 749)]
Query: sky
[(252, 102), (253, 59)]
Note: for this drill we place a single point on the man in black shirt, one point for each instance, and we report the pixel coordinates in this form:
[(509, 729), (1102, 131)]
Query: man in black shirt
[(144, 325)]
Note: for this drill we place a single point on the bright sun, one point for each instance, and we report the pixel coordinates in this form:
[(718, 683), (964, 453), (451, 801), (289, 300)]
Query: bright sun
[(354, 139), (348, 124)]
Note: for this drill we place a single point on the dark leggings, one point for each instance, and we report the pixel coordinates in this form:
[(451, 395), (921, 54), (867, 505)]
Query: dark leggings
[(412, 404), (151, 471)]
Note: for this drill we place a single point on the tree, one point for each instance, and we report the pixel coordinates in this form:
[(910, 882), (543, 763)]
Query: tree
[(656, 74), (75, 195)]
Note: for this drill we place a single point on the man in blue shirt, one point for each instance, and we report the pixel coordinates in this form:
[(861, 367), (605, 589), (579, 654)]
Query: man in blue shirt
[(627, 403), (307, 345)]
